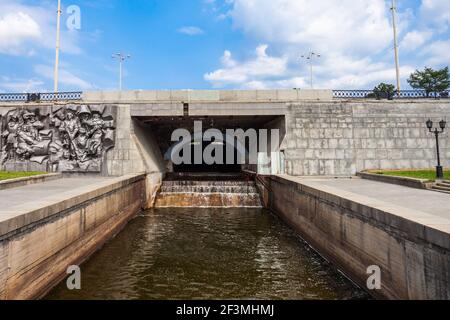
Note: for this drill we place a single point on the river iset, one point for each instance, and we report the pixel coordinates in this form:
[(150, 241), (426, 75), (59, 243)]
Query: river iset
[(208, 254)]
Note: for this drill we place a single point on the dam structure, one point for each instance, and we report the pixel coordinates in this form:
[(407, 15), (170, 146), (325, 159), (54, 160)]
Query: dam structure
[(110, 155)]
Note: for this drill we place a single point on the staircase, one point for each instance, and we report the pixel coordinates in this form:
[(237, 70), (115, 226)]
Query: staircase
[(208, 191), (442, 186)]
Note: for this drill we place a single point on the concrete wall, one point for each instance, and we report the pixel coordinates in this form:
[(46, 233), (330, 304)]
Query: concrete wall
[(343, 137), (323, 136), (152, 159), (353, 234), (187, 96), (36, 248), (136, 151)]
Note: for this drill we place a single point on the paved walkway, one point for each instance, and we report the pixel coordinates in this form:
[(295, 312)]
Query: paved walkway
[(17, 199), (430, 202)]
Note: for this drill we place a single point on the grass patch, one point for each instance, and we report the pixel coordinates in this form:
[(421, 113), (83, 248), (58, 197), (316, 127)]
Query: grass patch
[(5, 175), (418, 174)]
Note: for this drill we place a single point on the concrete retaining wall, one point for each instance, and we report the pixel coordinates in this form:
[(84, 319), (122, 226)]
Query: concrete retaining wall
[(19, 182), (37, 247), (355, 233), (187, 96), (323, 136), (344, 137), (401, 181)]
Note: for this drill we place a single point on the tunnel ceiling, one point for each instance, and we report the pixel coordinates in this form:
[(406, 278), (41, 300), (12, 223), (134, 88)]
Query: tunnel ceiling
[(221, 123)]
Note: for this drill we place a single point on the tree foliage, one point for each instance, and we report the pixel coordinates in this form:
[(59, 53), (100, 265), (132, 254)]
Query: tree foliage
[(430, 80), (383, 91)]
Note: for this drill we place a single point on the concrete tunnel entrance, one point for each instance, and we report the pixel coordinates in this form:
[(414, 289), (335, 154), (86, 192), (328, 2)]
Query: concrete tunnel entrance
[(162, 128)]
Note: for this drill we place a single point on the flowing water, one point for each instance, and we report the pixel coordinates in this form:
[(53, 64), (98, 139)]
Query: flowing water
[(226, 192), (188, 253)]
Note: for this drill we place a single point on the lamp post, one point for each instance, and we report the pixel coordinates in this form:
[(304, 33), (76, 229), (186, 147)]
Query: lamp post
[(310, 56), (397, 63), (58, 31), (437, 132), (121, 57)]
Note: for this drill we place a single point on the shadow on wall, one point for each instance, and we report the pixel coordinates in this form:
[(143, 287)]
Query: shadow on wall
[(151, 157)]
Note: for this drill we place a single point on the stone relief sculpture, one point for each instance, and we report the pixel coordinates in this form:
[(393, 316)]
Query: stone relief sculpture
[(58, 138)]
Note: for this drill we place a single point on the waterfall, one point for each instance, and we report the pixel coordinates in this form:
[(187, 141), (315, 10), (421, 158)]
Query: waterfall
[(208, 191)]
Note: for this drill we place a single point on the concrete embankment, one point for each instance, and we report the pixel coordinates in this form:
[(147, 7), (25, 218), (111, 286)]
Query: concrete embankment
[(406, 233), (19, 182), (47, 227)]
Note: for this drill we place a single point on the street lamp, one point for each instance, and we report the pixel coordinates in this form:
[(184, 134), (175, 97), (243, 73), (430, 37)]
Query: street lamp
[(437, 132), (121, 57), (397, 63), (310, 56), (58, 32)]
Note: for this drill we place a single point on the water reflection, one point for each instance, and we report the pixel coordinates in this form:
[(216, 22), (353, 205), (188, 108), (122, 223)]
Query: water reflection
[(208, 254)]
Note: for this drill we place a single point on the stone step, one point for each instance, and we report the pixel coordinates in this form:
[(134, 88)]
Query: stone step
[(439, 188), (443, 185), (209, 189), (187, 183), (208, 200), (446, 182)]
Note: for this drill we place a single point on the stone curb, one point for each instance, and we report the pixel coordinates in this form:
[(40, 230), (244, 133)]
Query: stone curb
[(20, 182), (402, 181)]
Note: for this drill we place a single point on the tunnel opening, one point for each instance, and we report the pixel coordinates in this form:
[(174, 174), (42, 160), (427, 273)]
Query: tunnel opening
[(226, 161), (220, 166)]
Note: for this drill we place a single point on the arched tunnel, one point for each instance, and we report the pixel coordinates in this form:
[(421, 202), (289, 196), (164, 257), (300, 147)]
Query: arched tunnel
[(228, 157)]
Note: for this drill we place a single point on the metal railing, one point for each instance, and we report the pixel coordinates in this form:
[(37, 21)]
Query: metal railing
[(37, 97), (404, 94)]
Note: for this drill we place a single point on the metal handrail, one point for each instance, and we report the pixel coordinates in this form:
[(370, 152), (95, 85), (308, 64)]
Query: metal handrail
[(36, 97), (404, 94)]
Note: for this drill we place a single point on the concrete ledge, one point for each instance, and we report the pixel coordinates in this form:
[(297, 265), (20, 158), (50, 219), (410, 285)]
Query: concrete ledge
[(31, 214), (402, 181), (19, 182), (187, 96), (411, 247), (40, 241)]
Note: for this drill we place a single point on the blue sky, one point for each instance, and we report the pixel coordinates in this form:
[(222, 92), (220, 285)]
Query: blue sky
[(218, 44)]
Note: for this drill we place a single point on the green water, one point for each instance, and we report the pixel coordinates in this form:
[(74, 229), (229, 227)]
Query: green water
[(208, 254)]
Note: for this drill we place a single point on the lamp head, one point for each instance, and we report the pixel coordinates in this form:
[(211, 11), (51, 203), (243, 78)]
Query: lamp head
[(443, 124), (429, 124)]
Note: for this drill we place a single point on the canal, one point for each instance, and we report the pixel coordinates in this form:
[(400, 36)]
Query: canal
[(208, 254)]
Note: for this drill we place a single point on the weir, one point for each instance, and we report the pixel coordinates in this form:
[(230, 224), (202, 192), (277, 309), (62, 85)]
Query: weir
[(208, 191), (117, 164)]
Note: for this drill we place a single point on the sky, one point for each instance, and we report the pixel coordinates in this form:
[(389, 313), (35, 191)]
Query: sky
[(218, 44)]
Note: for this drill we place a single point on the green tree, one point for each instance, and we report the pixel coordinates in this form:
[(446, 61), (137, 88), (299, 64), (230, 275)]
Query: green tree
[(383, 91), (430, 80)]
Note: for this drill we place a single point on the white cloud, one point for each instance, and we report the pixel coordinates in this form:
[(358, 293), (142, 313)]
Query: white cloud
[(248, 73), (16, 29), (25, 28), (354, 37), (415, 39), (437, 54), (364, 78), (191, 31), (20, 85), (347, 33), (361, 26), (436, 13), (65, 77)]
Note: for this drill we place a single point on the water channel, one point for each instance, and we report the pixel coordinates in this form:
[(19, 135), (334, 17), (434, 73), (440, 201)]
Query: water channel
[(208, 254)]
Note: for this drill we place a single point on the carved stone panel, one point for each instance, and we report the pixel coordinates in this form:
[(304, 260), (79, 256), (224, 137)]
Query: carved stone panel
[(72, 138)]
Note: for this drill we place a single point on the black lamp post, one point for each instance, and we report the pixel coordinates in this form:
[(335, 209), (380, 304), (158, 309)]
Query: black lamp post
[(437, 132)]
